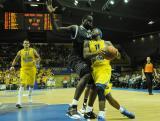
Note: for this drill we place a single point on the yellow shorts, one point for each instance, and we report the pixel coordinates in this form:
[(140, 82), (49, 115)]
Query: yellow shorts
[(102, 74), (27, 76), (108, 89)]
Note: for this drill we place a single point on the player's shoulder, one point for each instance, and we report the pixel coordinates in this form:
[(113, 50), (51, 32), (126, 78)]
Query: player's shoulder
[(74, 26), (20, 50), (86, 43), (32, 49), (106, 41)]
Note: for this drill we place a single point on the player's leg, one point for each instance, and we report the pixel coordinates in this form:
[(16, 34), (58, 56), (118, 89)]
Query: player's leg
[(72, 110), (82, 69), (100, 77), (30, 83), (101, 97), (30, 93), (20, 93), (117, 106), (81, 86), (86, 94), (21, 87), (89, 114)]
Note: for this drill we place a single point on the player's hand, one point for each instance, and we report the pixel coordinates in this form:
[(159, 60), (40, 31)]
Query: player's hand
[(50, 7), (101, 52), (11, 68)]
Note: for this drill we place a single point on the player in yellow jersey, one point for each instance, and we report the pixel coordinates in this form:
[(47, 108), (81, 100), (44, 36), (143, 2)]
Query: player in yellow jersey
[(101, 73), (29, 59)]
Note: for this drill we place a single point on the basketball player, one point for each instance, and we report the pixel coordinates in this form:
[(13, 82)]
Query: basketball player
[(29, 59), (76, 60), (101, 72)]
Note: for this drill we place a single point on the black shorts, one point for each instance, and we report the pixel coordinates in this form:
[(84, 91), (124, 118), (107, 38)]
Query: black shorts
[(79, 65), (90, 81)]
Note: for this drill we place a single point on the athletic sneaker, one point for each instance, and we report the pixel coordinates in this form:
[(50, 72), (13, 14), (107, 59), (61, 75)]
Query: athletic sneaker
[(128, 114), (151, 94), (90, 115), (72, 112), (100, 118), (18, 105), (83, 109)]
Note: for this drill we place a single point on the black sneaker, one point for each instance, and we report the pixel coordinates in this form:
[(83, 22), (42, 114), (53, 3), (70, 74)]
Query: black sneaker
[(18, 106), (90, 115), (72, 110), (151, 94)]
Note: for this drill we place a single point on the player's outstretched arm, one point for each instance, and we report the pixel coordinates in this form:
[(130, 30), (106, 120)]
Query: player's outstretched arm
[(51, 10)]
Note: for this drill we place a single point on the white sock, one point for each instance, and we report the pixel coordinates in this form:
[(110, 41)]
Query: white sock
[(74, 102), (30, 94), (89, 109), (20, 95), (101, 114), (121, 109)]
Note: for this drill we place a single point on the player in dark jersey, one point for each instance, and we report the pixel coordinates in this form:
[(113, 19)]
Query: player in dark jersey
[(76, 60)]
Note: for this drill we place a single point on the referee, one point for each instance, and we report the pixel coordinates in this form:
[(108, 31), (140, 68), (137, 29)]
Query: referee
[(147, 73)]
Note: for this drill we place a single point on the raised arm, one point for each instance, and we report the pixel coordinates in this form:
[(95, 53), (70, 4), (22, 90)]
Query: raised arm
[(51, 10)]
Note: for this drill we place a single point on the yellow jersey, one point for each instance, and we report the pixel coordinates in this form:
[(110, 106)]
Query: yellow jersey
[(27, 58), (95, 46)]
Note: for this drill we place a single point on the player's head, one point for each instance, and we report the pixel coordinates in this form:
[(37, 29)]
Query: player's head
[(87, 21), (96, 33), (26, 43), (148, 59)]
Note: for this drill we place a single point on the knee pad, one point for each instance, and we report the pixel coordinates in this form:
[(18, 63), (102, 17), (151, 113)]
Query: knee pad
[(100, 91)]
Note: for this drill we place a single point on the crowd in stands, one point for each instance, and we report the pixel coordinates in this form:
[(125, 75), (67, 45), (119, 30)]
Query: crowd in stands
[(132, 80), (55, 55), (44, 79), (51, 54)]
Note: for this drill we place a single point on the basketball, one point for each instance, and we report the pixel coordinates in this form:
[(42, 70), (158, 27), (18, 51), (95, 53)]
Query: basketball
[(110, 52)]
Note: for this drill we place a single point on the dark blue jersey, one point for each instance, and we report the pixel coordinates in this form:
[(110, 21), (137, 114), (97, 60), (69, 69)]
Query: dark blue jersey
[(81, 34)]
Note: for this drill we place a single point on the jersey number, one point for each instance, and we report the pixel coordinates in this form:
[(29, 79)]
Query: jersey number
[(97, 46)]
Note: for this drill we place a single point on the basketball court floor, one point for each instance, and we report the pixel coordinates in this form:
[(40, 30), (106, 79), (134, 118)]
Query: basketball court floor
[(51, 105)]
